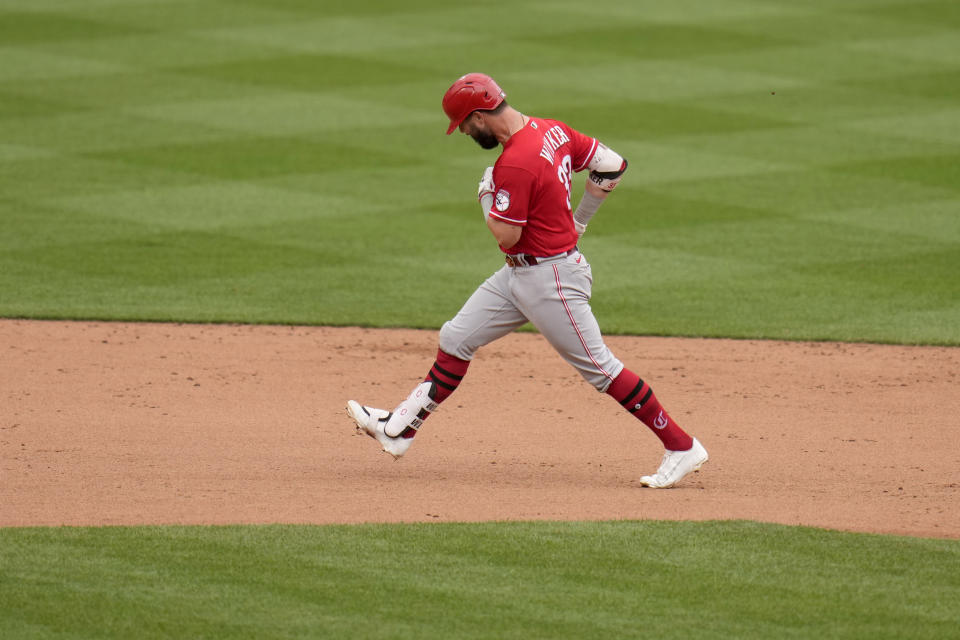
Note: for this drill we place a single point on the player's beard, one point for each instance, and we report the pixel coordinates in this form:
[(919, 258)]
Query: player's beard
[(485, 139)]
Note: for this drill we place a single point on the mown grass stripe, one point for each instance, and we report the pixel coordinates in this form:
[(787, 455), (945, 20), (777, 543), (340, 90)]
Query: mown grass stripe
[(602, 579), (760, 135)]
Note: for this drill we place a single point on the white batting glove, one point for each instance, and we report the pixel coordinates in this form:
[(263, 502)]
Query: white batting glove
[(580, 227), (485, 191), (486, 184)]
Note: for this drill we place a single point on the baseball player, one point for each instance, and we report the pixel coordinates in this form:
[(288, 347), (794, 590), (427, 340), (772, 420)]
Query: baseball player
[(546, 281)]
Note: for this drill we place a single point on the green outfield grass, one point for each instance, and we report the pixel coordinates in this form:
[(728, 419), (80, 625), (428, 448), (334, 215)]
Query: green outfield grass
[(495, 580), (795, 173), (795, 167)]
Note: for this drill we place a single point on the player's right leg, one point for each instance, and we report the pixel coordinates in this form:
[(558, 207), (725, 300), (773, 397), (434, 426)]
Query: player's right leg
[(394, 430), (487, 315)]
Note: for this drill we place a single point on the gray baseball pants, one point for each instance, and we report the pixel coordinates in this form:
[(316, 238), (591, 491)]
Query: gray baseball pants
[(553, 295)]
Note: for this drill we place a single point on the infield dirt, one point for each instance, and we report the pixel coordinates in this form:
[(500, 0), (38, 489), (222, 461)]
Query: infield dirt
[(113, 423)]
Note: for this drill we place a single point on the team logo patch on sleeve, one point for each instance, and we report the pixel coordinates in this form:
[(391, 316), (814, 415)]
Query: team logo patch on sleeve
[(502, 200)]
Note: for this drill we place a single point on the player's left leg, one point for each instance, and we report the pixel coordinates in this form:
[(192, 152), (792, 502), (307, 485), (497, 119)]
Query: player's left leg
[(683, 454), (565, 318), (638, 398)]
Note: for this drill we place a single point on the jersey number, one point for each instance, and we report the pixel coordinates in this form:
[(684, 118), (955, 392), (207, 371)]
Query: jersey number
[(565, 172)]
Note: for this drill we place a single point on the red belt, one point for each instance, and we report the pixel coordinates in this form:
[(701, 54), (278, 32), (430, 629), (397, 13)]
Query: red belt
[(524, 260)]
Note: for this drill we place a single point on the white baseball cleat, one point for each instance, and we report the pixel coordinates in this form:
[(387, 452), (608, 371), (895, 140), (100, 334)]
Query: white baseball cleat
[(676, 465), (372, 422)]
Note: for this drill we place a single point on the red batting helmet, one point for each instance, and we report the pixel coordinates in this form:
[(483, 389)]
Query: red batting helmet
[(471, 92)]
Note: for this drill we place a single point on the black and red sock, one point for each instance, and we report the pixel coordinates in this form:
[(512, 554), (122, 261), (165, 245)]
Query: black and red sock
[(446, 373), (637, 397)]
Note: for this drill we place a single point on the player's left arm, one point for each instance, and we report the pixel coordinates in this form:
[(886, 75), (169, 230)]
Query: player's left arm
[(606, 170), (509, 191), (506, 234), (485, 191)]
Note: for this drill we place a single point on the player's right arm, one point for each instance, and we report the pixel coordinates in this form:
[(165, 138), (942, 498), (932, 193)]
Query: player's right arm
[(606, 169)]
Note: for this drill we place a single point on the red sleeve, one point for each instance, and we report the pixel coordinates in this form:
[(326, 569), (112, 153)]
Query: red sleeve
[(511, 202), (583, 149)]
